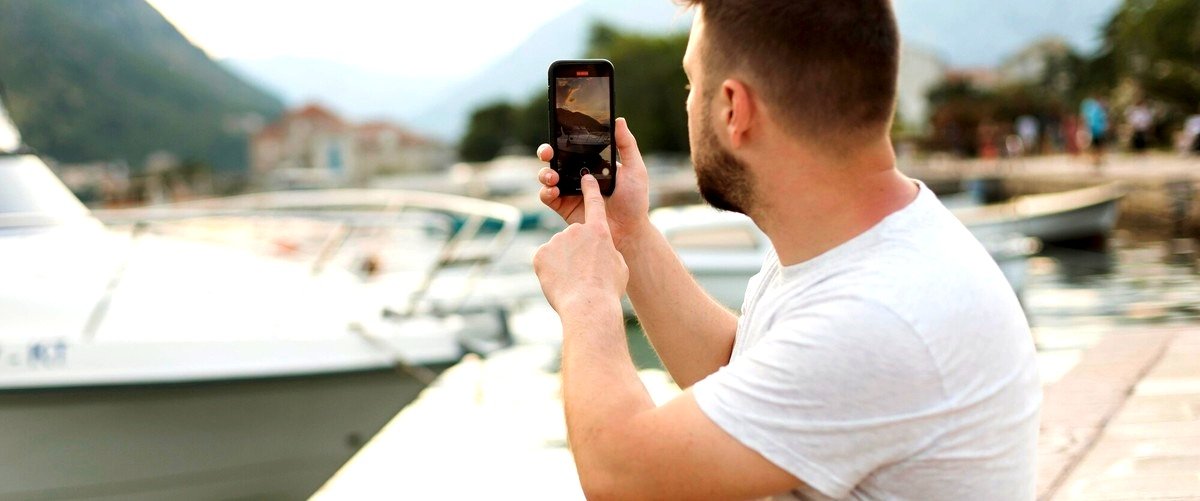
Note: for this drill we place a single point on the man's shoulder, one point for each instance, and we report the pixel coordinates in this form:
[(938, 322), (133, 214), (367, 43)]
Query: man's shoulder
[(907, 267), (934, 278)]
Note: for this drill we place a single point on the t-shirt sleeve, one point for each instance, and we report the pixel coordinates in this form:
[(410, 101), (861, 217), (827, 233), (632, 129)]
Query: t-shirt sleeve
[(830, 394)]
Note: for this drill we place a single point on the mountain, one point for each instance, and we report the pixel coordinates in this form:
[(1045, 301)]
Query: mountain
[(575, 120), (964, 33), (522, 73), (440, 107), (114, 80), (353, 91)]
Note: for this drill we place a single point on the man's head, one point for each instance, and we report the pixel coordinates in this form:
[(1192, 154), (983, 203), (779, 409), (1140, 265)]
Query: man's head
[(822, 73)]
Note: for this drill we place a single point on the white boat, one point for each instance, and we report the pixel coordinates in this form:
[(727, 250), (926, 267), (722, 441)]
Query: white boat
[(723, 250), (583, 141), (1050, 217), (146, 362)]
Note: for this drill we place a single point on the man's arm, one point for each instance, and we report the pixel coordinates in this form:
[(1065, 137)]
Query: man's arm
[(624, 447), (691, 332)]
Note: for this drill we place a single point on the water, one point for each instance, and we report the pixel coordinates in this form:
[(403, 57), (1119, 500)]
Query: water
[(1075, 297)]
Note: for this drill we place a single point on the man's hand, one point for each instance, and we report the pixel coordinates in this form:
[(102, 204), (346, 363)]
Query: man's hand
[(629, 204), (579, 267), (624, 447)]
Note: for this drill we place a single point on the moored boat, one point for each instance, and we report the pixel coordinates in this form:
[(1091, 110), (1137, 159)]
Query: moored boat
[(723, 250), (140, 362), (1050, 217)]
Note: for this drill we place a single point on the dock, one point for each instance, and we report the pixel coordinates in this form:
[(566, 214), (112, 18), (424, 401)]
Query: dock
[(486, 429), (1122, 423), (1125, 422)]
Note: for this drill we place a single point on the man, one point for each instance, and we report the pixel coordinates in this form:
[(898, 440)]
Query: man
[(880, 354), (1191, 132), (1141, 119), (1096, 117)]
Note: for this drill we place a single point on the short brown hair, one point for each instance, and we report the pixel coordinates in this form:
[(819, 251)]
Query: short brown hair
[(827, 67)]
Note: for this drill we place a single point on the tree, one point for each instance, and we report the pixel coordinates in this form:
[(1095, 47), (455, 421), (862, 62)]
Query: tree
[(958, 109), (1156, 44), (651, 94), (491, 129), (651, 84), (532, 122)]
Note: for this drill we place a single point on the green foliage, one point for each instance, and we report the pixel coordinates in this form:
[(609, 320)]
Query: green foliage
[(1150, 46), (491, 128), (113, 80), (532, 122), (650, 91), (1155, 44), (651, 85), (960, 109)]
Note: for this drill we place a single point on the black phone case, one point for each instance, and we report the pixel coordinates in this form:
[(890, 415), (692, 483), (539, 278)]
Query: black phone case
[(568, 183)]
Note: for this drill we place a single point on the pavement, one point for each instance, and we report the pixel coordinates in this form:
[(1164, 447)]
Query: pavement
[(1125, 422), (1115, 167), (486, 429), (1122, 423)]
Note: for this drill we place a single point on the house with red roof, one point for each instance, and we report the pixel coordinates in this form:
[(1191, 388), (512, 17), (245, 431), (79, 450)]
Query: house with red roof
[(312, 146)]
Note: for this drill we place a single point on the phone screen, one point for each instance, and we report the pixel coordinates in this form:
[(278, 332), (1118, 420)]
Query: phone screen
[(581, 124)]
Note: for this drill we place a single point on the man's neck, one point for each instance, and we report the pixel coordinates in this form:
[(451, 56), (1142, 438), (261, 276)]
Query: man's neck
[(825, 204)]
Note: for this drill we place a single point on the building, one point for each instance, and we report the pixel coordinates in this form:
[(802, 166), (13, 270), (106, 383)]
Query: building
[(920, 71), (311, 147), (1030, 63), (977, 77)]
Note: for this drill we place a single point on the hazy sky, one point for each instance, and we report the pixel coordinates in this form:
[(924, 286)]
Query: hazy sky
[(411, 38)]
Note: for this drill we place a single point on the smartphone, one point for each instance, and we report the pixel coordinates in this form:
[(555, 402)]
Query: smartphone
[(582, 120)]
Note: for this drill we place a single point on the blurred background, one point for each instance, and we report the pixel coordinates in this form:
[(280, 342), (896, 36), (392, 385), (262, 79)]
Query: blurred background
[(238, 237)]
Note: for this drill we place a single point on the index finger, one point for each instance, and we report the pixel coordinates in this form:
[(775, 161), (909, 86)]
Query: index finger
[(593, 202)]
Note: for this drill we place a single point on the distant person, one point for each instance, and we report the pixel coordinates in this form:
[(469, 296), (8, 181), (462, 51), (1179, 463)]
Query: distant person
[(988, 136), (1052, 135), (1095, 117), (1191, 134), (1027, 127), (1141, 120), (1070, 133), (879, 353)]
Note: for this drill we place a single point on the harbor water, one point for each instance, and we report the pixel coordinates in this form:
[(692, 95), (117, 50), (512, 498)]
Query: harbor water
[(1073, 297)]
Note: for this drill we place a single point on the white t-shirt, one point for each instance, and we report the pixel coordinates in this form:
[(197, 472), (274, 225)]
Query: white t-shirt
[(1140, 118), (898, 365)]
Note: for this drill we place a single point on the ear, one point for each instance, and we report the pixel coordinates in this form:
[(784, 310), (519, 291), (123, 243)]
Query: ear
[(739, 111)]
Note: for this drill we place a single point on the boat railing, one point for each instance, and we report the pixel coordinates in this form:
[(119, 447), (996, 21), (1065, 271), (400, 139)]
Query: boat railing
[(353, 209)]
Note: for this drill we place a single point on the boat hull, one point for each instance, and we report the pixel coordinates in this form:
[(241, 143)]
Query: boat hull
[(1083, 222), (1053, 217), (251, 439)]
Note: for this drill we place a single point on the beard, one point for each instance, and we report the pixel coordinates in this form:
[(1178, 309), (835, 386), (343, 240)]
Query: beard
[(723, 179)]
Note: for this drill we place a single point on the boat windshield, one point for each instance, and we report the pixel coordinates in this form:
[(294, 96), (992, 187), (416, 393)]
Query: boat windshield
[(29, 190), (10, 139)]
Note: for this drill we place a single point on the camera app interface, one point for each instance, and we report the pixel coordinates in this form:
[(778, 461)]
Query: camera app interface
[(583, 138)]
